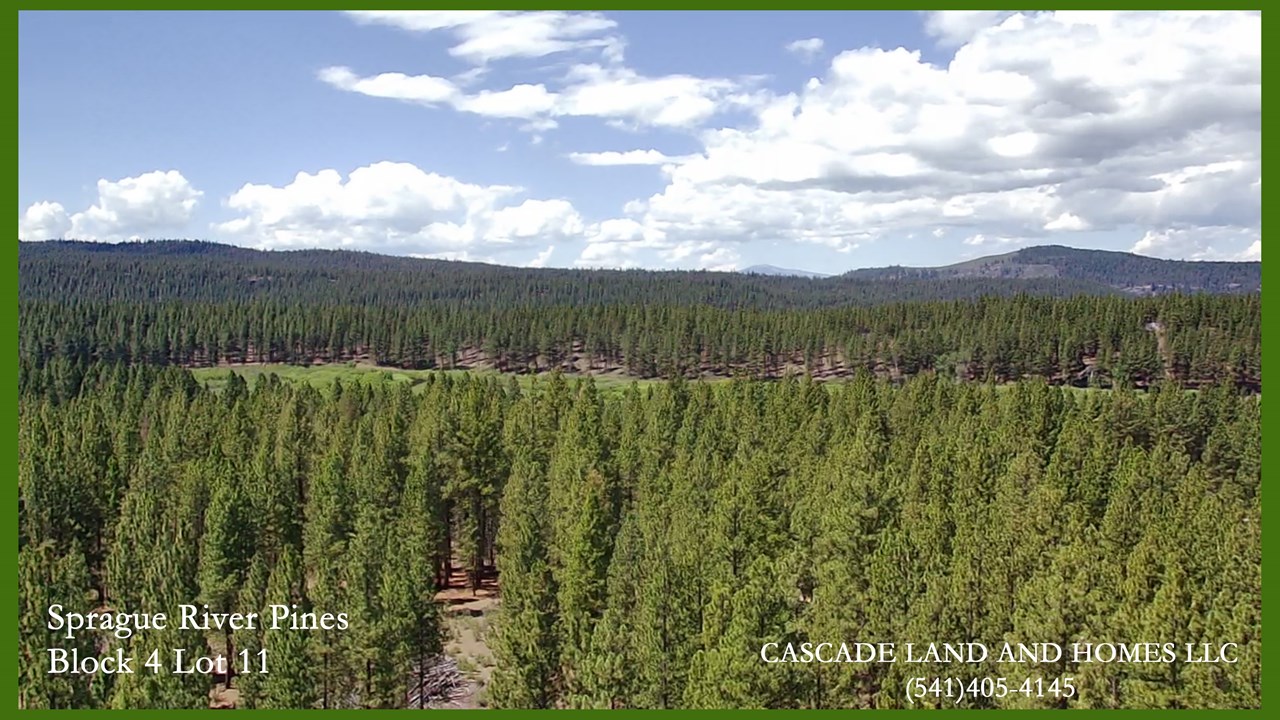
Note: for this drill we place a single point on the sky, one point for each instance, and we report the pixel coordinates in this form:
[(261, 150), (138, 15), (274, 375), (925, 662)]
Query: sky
[(821, 141)]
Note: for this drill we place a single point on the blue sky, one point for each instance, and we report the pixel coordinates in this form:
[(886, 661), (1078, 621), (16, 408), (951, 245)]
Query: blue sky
[(819, 141)]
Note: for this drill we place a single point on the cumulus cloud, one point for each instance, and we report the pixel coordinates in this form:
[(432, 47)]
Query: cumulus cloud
[(533, 220), (621, 93), (483, 36), (807, 49), (1200, 244), (704, 255), (398, 208), (1041, 124), (952, 28), (618, 242), (691, 255), (1066, 221), (1038, 126), (151, 205), (540, 260), (611, 256), (44, 221), (627, 157)]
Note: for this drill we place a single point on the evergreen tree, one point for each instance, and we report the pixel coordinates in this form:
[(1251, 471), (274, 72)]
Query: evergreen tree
[(290, 681), (526, 647)]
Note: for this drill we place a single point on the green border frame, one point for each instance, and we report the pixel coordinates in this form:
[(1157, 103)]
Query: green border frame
[(11, 321)]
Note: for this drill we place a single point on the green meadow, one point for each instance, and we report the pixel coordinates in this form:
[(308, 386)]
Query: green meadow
[(323, 376)]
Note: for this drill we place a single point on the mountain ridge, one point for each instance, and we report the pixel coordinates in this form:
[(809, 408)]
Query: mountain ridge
[(1127, 272), (1054, 268)]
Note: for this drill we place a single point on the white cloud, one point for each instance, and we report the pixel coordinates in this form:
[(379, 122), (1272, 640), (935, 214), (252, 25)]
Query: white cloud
[(617, 243), (520, 101), (540, 260), (722, 259), (1041, 123), (606, 92), (470, 76), (627, 157), (157, 204), (539, 125), (807, 49), (397, 208), (1200, 244), (1066, 221), (612, 255), (956, 27), (411, 88), (1019, 144), (621, 93), (625, 230), (423, 20), (980, 240), (44, 221), (487, 35), (704, 255), (534, 220)]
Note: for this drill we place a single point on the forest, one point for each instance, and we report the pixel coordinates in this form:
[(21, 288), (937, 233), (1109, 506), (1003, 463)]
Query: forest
[(1018, 451), (1083, 340), (209, 272), (204, 305), (648, 541)]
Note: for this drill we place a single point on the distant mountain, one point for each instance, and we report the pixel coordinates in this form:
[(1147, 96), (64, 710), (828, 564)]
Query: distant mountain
[(1134, 274), (775, 270)]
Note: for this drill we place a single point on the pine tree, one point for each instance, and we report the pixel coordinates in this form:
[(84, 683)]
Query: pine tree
[(226, 548), (580, 595), (290, 681), (250, 638), (45, 580), (325, 535), (525, 646), (421, 539)]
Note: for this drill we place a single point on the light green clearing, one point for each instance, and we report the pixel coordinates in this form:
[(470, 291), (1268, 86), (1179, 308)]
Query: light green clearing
[(322, 376)]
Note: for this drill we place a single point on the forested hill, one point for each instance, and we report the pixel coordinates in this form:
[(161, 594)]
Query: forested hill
[(209, 272), (199, 304), (194, 270), (1123, 271)]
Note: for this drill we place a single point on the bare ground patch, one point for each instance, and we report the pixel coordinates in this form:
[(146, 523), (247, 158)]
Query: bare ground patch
[(468, 618)]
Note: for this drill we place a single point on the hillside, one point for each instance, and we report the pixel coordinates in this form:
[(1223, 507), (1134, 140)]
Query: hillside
[(1135, 274), (209, 272), (202, 271)]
